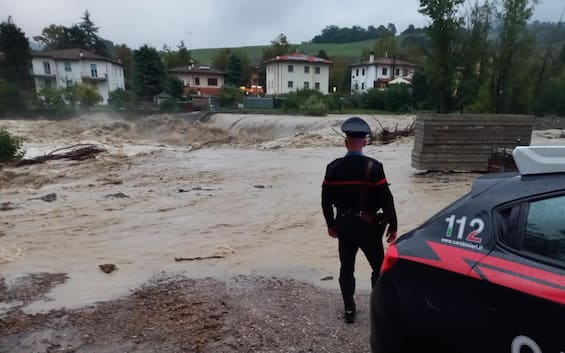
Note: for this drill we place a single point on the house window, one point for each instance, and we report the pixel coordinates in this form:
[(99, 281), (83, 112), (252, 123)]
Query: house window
[(47, 83), (290, 68), (362, 86), (317, 85), (357, 72), (384, 71), (306, 69), (397, 73), (306, 85), (363, 72), (93, 70), (197, 81), (184, 83), (69, 83), (317, 69), (290, 84), (68, 66), (212, 82), (356, 87), (47, 67), (405, 73)]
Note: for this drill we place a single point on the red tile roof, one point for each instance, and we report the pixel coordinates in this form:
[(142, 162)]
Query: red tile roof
[(299, 57), (72, 54)]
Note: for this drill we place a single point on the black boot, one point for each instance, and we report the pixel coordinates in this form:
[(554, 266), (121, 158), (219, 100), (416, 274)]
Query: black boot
[(350, 312)]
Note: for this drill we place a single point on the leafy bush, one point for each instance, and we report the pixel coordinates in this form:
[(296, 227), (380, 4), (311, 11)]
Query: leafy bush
[(396, 97), (10, 146), (295, 100), (122, 99), (53, 100), (334, 102), (11, 99), (373, 99), (86, 95), (229, 95), (168, 105), (314, 106)]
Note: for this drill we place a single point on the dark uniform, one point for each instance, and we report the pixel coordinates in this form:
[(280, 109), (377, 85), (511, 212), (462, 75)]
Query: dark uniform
[(364, 206)]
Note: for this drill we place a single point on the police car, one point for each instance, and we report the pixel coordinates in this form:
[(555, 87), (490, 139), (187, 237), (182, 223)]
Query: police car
[(486, 274)]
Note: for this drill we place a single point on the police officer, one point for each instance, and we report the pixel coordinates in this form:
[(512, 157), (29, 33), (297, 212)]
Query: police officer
[(357, 187)]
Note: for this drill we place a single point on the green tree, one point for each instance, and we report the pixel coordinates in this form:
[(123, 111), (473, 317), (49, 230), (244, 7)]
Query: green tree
[(52, 100), (11, 99), (81, 35), (475, 53), (322, 54), (149, 72), (513, 52), (124, 55), (340, 77), (220, 59), (174, 87), (446, 23), (90, 33), (10, 146), (53, 37), (234, 74), (15, 57), (122, 99), (386, 46), (279, 46), (176, 58)]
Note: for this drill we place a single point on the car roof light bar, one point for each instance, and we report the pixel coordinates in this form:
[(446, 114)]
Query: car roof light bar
[(539, 159)]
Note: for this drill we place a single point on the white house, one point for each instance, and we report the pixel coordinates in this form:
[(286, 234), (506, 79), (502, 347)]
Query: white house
[(62, 68), (287, 73), (379, 72), (199, 79)]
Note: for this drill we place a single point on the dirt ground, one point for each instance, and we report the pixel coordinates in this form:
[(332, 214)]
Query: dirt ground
[(244, 188)]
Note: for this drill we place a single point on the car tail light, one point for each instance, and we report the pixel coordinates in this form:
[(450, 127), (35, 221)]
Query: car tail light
[(391, 257)]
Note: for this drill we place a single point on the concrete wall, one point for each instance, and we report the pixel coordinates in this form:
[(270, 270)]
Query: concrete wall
[(466, 142), (258, 102)]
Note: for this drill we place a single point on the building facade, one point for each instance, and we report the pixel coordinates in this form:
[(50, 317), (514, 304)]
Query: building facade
[(200, 80), (379, 72), (288, 73), (62, 68)]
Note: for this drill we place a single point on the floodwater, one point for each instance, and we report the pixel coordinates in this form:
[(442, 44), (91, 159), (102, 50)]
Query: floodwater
[(243, 186)]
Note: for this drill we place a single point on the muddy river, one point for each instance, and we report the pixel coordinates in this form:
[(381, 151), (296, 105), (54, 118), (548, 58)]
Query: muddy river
[(246, 187)]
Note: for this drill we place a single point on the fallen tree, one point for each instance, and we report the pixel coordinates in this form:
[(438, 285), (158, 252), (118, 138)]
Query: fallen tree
[(76, 152), (387, 135)]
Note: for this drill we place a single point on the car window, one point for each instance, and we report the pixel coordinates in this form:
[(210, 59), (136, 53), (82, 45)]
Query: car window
[(545, 228), (507, 225)]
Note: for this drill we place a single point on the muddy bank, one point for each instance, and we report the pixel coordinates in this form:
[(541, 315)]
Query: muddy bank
[(177, 314)]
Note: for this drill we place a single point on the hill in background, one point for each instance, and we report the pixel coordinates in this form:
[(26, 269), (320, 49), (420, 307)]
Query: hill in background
[(347, 51)]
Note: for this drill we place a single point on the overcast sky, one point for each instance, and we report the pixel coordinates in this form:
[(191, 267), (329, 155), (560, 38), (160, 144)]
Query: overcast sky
[(222, 23)]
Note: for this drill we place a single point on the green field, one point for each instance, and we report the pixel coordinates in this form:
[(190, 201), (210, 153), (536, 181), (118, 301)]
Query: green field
[(350, 52)]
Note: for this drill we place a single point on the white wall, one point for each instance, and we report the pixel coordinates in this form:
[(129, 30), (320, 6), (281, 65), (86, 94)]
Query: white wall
[(278, 76), (373, 73), (110, 76)]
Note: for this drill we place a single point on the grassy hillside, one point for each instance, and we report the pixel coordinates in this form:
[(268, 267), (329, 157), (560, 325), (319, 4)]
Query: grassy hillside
[(348, 51)]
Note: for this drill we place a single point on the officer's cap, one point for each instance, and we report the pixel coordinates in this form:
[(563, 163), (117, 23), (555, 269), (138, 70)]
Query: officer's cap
[(356, 127)]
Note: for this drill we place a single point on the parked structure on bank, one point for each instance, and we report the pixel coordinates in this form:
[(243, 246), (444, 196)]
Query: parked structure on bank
[(62, 68), (467, 142), (288, 73)]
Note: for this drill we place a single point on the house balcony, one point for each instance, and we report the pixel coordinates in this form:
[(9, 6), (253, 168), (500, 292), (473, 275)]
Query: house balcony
[(44, 75), (87, 76)]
